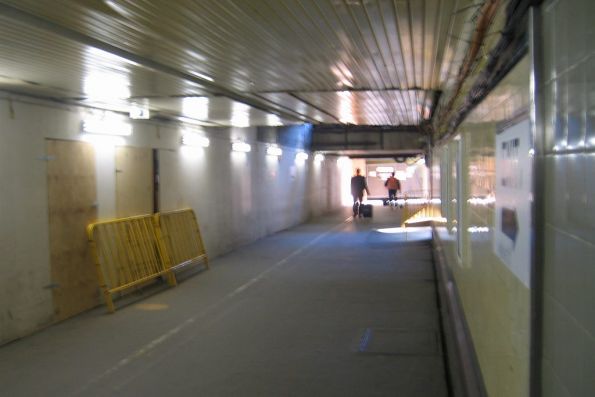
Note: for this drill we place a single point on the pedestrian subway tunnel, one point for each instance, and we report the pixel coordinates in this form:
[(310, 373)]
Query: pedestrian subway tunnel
[(255, 116)]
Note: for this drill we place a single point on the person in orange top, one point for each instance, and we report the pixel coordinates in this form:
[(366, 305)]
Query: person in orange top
[(393, 185)]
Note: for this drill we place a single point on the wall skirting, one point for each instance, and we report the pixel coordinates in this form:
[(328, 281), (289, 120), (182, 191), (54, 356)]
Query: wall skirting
[(461, 360)]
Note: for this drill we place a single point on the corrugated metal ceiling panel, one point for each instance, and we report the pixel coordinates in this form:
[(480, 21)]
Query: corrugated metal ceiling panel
[(391, 55), (291, 102), (51, 61), (390, 107)]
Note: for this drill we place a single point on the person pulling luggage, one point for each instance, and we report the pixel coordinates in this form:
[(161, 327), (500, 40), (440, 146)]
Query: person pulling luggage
[(358, 185)]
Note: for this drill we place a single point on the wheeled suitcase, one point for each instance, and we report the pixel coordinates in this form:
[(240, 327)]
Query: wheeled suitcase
[(366, 210)]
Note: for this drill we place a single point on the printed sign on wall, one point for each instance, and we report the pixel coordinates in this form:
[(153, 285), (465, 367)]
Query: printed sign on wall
[(512, 234)]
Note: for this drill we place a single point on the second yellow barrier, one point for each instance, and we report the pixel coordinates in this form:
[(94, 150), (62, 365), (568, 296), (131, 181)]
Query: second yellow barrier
[(179, 232)]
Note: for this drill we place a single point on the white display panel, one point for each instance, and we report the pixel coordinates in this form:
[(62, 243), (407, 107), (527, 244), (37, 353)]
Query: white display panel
[(512, 224)]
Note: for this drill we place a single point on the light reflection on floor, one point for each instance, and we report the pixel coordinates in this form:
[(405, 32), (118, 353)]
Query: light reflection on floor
[(408, 233)]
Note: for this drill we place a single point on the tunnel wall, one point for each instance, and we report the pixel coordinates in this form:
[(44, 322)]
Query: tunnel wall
[(495, 299), (497, 306), (238, 198), (568, 90)]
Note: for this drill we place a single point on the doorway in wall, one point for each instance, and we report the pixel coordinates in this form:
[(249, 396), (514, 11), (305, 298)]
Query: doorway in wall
[(72, 205), (134, 181)]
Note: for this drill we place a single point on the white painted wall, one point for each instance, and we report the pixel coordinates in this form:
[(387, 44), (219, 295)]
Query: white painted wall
[(238, 197)]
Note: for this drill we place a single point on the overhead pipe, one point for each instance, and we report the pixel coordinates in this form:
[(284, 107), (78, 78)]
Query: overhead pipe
[(486, 15), (511, 47)]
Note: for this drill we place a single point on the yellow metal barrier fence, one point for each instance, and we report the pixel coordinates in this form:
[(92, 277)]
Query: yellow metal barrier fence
[(419, 213), (127, 252), (181, 237)]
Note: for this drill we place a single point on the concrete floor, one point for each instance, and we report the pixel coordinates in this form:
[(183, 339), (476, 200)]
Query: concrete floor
[(330, 308)]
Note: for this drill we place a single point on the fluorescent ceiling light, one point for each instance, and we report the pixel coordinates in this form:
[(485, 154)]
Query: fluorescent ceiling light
[(102, 85), (196, 55), (301, 156), (203, 76), (240, 115), (319, 157), (346, 107), (104, 140), (107, 124), (194, 139), (273, 120), (274, 150), (118, 8), (196, 107), (92, 55), (241, 147)]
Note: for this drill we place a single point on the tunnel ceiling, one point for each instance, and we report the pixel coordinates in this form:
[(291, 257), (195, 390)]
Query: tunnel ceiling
[(257, 62)]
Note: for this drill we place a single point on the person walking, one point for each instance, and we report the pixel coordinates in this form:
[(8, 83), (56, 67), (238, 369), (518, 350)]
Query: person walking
[(393, 185), (358, 185)]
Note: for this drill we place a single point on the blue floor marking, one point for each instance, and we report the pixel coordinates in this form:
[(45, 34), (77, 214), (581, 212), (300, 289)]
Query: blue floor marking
[(363, 343)]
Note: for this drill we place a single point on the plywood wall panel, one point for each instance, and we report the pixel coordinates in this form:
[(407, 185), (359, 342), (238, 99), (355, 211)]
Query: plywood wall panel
[(72, 196)]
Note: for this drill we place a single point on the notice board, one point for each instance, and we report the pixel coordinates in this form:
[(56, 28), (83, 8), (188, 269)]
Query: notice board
[(514, 199)]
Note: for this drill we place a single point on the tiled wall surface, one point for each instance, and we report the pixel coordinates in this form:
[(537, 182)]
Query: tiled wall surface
[(568, 34), (495, 302)]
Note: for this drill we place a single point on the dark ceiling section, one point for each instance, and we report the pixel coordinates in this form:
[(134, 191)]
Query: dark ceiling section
[(370, 141)]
